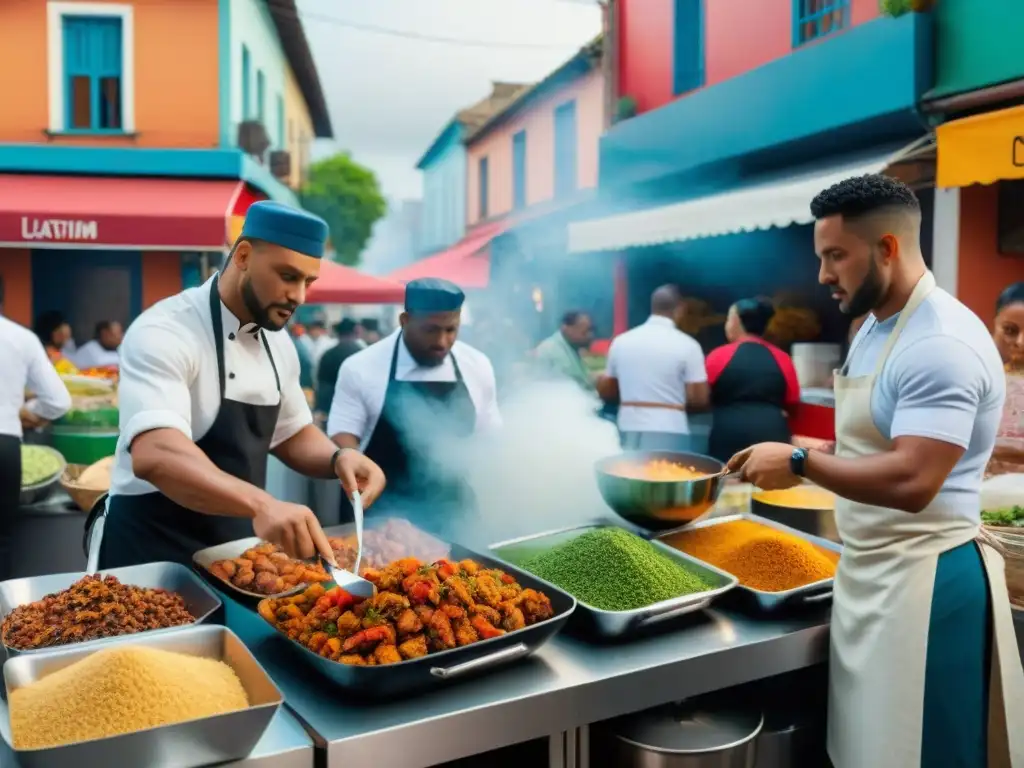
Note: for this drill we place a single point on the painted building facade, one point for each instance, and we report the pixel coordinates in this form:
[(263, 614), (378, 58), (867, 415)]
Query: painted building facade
[(976, 104), (730, 116), (123, 167)]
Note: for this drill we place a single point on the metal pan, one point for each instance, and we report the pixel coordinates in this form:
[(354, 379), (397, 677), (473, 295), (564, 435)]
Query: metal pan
[(205, 558), (201, 601), (816, 592), (394, 680), (205, 741), (617, 624)]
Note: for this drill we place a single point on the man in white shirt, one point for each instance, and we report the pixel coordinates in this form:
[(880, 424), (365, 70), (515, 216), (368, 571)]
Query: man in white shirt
[(101, 350), (25, 367), (400, 399), (208, 388), (656, 373)]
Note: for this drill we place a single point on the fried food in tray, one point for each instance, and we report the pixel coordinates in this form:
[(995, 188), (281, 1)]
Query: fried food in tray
[(92, 608), (419, 609)]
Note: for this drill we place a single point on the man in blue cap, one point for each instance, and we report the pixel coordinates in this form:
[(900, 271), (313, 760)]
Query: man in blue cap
[(398, 400), (208, 389)]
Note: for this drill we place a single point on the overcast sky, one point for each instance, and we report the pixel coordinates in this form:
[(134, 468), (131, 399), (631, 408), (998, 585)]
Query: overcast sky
[(390, 94)]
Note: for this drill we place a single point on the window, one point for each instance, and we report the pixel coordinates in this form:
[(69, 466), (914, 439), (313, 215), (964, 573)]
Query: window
[(688, 46), (565, 148), (816, 18), (483, 181), (92, 73), (261, 95), (246, 77), (519, 170), (280, 122)]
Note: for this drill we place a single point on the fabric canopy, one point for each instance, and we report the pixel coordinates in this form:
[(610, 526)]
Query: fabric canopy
[(777, 203), (97, 212), (467, 263), (982, 149), (339, 284)]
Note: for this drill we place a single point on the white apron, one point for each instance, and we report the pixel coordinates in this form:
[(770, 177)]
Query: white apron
[(882, 608)]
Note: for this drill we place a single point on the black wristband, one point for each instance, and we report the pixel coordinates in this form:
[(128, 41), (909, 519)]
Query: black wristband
[(334, 462)]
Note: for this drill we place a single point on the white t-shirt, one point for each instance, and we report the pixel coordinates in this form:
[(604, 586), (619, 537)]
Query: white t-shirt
[(94, 355), (653, 363), (25, 366), (944, 380), (363, 381), (169, 376)]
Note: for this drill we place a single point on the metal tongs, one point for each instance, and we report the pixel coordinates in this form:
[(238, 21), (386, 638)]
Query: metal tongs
[(350, 581)]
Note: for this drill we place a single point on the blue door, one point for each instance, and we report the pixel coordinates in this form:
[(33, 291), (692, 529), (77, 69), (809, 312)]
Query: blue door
[(87, 286)]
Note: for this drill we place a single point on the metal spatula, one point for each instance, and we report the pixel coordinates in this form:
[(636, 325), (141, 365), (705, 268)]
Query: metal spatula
[(350, 581)]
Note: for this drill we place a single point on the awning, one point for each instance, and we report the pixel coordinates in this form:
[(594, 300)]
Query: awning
[(116, 213), (339, 284), (981, 149), (777, 203), (467, 263)]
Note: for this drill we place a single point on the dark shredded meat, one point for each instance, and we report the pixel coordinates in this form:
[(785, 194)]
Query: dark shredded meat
[(90, 609)]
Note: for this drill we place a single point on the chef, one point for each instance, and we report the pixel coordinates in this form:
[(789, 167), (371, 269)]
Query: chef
[(209, 387), (415, 395), (924, 668)]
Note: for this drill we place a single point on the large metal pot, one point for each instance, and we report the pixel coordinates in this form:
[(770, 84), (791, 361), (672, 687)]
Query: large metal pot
[(685, 735), (817, 519)]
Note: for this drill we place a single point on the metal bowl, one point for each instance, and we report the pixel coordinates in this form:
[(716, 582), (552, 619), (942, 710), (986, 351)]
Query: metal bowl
[(815, 520), (33, 494), (660, 505)]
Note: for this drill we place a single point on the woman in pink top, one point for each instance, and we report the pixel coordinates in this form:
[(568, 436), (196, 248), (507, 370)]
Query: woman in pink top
[(1008, 333)]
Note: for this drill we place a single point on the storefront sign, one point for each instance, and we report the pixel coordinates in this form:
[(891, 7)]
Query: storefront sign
[(1018, 151), (58, 230), (981, 149)]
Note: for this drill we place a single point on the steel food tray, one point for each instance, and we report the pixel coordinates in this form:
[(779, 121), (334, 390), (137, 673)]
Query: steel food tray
[(201, 601), (203, 741), (617, 624), (205, 558), (414, 675), (815, 592)]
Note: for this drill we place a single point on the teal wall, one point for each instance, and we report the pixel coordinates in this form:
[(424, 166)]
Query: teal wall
[(978, 43)]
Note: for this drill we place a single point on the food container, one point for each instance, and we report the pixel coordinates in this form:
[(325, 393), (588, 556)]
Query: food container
[(816, 592), (687, 735), (37, 492), (658, 505), (86, 494), (816, 517), (394, 680), (615, 624), (205, 741), (205, 558), (200, 600)]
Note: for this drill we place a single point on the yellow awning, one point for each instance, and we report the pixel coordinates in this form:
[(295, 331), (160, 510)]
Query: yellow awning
[(981, 149), (235, 228)]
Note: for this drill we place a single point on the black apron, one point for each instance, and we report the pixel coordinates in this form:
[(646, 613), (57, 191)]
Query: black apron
[(422, 494), (150, 527), (10, 499)]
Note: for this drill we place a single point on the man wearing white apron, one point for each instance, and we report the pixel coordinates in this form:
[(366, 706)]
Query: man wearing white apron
[(924, 669)]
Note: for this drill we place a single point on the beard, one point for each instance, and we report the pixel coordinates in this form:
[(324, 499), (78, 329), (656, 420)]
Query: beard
[(868, 295), (261, 314)]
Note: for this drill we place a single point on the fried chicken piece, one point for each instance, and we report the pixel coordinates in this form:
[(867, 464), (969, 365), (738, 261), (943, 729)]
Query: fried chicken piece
[(224, 569), (414, 647), (368, 639), (352, 659), (387, 654), (408, 623), (464, 632), (458, 589), (244, 578), (389, 604), (487, 590), (484, 628), (423, 613), (263, 563), (513, 620), (535, 605), (348, 623), (440, 630), (469, 566), (492, 616), (452, 611)]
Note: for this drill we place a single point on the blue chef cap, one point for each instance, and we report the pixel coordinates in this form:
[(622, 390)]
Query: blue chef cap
[(431, 294), (287, 227)]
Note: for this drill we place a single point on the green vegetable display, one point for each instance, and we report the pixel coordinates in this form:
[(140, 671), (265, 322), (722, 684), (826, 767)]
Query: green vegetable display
[(38, 464), (613, 570), (1012, 517)]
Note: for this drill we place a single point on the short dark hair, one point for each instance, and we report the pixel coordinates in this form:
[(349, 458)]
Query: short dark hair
[(345, 327), (101, 326), (573, 316), (862, 195), (1012, 294), (46, 324), (755, 314), (370, 324)]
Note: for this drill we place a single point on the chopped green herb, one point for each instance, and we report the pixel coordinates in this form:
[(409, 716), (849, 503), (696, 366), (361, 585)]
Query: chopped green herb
[(331, 629), (1008, 517)]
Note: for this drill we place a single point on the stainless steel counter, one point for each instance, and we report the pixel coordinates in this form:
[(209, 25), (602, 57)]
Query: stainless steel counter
[(568, 684), (285, 745)]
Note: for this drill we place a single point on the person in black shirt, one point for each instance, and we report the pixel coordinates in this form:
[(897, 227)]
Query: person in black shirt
[(327, 372)]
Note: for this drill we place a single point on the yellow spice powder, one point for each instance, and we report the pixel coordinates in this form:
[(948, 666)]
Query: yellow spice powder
[(120, 690)]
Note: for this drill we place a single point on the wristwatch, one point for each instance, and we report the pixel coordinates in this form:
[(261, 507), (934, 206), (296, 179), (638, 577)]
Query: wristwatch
[(798, 461)]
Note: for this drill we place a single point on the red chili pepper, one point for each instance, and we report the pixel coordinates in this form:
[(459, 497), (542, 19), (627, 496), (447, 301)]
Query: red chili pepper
[(507, 579), (343, 599)]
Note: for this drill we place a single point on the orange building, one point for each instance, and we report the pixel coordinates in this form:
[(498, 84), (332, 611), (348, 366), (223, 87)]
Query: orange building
[(133, 138)]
